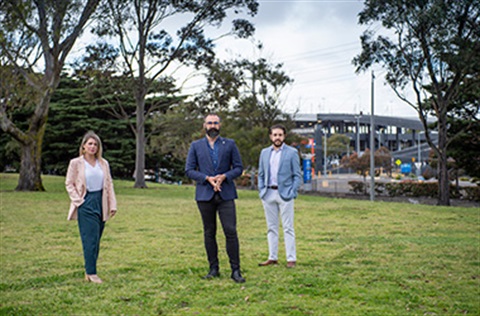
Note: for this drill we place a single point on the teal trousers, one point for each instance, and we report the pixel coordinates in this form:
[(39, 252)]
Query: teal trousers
[(91, 225)]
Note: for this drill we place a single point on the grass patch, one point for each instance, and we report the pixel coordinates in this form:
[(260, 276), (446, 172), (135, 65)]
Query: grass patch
[(354, 257)]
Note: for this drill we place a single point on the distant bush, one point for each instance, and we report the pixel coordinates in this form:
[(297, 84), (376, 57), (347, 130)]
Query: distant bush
[(472, 193), (358, 187), (245, 180), (411, 188), (428, 173)]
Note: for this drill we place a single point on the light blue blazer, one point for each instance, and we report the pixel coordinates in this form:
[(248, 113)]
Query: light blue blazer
[(289, 173)]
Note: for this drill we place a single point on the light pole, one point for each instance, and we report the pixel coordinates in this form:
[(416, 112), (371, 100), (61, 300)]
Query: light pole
[(372, 146), (325, 156), (348, 154), (357, 143), (419, 155)]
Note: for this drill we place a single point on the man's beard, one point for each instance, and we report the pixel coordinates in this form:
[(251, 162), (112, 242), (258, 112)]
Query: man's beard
[(277, 143), (213, 132)]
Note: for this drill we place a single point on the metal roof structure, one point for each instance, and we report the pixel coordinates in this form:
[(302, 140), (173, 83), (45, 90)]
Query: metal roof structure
[(404, 137), (408, 123)]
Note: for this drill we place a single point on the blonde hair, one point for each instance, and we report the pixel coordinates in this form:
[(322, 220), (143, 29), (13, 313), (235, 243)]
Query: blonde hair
[(86, 137)]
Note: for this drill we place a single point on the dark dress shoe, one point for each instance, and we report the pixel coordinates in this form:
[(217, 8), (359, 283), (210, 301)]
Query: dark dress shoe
[(291, 264), (237, 277), (213, 273), (267, 263)]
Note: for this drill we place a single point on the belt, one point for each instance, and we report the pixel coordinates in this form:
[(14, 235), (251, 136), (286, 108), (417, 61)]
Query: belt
[(273, 187)]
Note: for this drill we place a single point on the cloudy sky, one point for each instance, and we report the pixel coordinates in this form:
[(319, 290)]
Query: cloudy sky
[(316, 41)]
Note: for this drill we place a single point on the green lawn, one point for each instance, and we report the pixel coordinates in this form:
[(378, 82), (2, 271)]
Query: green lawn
[(354, 258)]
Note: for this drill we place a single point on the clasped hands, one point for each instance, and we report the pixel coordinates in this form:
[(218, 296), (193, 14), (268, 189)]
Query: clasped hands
[(216, 182)]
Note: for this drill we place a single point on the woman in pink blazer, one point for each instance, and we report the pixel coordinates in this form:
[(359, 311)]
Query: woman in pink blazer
[(90, 188)]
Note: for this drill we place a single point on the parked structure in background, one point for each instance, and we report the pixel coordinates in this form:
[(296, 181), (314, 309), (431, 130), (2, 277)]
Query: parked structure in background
[(403, 137)]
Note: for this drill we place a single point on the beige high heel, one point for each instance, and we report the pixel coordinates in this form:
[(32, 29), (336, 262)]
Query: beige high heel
[(93, 278)]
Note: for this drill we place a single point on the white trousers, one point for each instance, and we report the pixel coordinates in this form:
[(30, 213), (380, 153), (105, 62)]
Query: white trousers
[(274, 205)]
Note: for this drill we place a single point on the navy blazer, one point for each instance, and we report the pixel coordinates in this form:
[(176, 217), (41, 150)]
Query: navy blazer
[(289, 173), (199, 165)]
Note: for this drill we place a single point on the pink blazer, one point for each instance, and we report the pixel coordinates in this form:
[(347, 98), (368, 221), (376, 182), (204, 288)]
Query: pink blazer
[(76, 185)]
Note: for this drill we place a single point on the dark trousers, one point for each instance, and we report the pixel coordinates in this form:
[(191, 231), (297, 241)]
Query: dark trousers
[(91, 225), (228, 219)]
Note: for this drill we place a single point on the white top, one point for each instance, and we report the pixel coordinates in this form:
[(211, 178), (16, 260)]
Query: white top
[(274, 165), (93, 176)]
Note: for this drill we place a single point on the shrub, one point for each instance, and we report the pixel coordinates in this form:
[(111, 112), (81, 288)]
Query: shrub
[(428, 172), (380, 188), (472, 193), (243, 180), (412, 188), (358, 187), (416, 189)]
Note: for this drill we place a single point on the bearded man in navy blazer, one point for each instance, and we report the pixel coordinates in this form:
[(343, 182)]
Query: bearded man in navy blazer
[(214, 162), (279, 177)]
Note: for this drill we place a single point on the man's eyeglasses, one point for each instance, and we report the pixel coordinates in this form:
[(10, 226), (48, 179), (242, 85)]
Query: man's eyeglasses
[(212, 123)]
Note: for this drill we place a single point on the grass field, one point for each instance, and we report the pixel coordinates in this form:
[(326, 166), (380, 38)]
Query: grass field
[(354, 258)]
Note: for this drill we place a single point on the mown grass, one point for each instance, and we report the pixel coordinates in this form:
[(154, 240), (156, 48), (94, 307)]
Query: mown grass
[(354, 258)]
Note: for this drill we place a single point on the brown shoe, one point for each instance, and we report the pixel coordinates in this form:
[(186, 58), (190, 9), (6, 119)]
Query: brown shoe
[(267, 263), (291, 264)]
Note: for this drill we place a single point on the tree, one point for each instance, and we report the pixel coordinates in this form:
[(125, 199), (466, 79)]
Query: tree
[(73, 111), (35, 40), (222, 87), (435, 51), (263, 84), (148, 51), (361, 164), (383, 159), (252, 88), (175, 130), (464, 149), (248, 94), (337, 144)]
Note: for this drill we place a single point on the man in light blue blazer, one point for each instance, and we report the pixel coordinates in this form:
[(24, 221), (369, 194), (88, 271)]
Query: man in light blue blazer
[(214, 162), (279, 177)]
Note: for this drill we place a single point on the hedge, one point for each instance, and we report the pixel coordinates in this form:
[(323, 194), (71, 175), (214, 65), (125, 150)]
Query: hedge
[(410, 188)]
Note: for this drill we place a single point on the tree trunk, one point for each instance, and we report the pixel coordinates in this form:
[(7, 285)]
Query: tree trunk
[(30, 168), (140, 146), (443, 181)]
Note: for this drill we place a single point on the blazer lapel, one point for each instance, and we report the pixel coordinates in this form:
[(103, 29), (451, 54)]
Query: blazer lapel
[(266, 163), (221, 149), (81, 171), (206, 151), (282, 157)]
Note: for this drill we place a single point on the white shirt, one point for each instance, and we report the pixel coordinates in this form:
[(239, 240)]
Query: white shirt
[(93, 176), (274, 165)]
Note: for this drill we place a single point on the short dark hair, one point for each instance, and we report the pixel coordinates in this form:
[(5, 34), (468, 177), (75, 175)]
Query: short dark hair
[(277, 126), (212, 114)]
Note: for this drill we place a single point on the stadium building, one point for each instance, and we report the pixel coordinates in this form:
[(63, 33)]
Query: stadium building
[(404, 137)]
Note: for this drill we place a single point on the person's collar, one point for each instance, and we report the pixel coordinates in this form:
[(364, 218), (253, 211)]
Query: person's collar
[(281, 147), (208, 140)]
